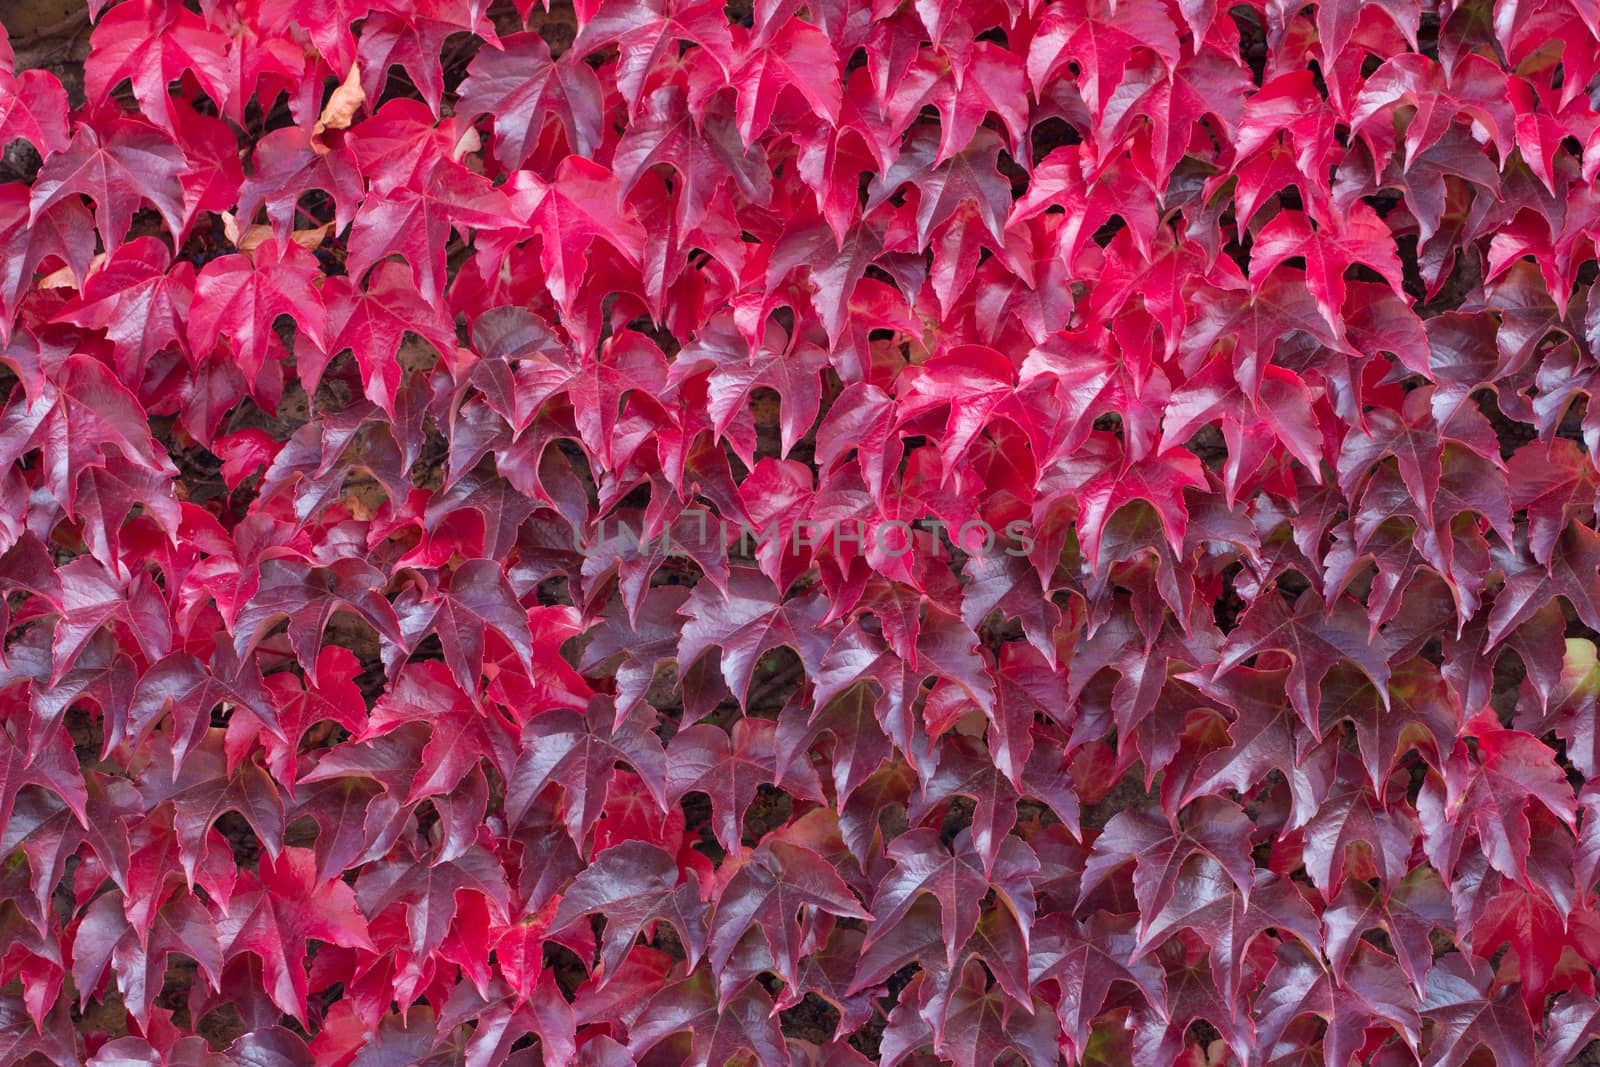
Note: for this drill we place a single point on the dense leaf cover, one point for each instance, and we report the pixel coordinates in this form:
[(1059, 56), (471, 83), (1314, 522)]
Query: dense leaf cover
[(847, 531)]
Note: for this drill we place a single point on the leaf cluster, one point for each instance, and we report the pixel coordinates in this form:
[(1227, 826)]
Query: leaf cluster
[(813, 533)]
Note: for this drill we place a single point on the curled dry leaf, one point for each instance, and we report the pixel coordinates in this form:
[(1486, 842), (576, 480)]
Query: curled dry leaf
[(343, 104)]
